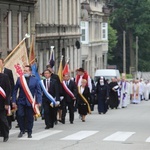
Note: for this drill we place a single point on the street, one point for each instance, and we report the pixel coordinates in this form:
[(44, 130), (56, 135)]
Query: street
[(121, 129)]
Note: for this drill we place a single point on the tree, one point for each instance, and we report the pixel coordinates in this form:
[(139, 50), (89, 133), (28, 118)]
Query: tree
[(133, 17), (112, 39)]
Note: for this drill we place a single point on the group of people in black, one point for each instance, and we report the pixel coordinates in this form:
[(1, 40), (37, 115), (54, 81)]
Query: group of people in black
[(68, 95)]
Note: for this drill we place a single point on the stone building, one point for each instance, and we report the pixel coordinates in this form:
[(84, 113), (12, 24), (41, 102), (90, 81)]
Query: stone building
[(94, 37), (58, 25), (16, 19)]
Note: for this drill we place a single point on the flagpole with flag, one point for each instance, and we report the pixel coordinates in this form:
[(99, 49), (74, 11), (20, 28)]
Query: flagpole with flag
[(32, 52), (32, 60), (52, 60), (66, 68), (60, 70), (17, 56)]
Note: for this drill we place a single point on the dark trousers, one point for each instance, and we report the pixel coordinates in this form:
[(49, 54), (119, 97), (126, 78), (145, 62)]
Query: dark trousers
[(49, 114), (70, 108), (25, 118), (4, 127)]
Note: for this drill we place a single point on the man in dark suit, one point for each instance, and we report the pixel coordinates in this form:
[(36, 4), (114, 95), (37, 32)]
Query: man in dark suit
[(69, 100), (56, 77), (25, 111), (5, 93), (52, 88), (11, 79)]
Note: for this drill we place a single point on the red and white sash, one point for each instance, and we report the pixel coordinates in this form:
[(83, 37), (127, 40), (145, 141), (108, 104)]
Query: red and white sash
[(67, 89), (2, 92), (27, 91)]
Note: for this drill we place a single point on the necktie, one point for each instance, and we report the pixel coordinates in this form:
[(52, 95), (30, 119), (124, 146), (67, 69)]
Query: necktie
[(67, 83), (47, 84)]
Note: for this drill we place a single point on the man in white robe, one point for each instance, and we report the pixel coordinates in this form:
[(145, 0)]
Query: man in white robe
[(123, 92)]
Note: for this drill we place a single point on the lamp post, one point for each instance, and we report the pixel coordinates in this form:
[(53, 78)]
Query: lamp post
[(124, 52), (136, 54)]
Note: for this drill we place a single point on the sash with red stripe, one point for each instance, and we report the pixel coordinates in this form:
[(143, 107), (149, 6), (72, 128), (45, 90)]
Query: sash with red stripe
[(27, 91), (2, 93), (67, 90)]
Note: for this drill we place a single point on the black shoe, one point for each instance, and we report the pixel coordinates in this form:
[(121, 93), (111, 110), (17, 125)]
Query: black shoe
[(20, 134), (56, 122), (29, 135), (17, 126), (63, 121), (47, 127), (5, 139), (71, 122)]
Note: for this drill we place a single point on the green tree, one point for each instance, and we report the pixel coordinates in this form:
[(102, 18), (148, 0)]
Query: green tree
[(112, 39), (133, 17)]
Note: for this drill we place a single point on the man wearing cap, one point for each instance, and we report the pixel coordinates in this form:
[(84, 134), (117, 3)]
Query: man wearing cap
[(81, 74)]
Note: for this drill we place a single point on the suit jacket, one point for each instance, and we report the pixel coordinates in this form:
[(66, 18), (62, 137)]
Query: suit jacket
[(5, 85), (86, 94), (53, 90), (56, 77), (72, 87), (11, 78), (35, 90)]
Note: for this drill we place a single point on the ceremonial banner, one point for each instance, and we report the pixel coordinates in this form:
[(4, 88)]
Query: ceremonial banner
[(66, 68), (17, 56), (60, 70), (52, 60), (32, 52)]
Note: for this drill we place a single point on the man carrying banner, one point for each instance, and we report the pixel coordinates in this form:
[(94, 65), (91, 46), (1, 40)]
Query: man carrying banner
[(51, 87), (28, 88), (69, 92), (5, 93)]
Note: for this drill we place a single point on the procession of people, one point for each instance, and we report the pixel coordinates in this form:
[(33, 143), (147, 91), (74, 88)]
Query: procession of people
[(51, 96)]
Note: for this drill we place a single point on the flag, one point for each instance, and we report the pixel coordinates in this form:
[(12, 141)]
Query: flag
[(32, 52), (51, 60), (60, 70), (66, 68), (17, 56), (32, 60), (35, 71)]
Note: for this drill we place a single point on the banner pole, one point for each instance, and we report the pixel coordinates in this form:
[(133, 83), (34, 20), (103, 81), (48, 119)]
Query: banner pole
[(26, 36)]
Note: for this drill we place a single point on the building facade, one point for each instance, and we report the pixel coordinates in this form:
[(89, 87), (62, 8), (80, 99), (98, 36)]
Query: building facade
[(94, 39), (16, 19), (58, 25)]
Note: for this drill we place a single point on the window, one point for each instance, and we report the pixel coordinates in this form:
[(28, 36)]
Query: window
[(9, 30), (84, 32), (19, 27), (104, 35)]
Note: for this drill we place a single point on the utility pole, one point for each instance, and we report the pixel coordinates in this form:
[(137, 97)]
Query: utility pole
[(124, 52), (137, 54)]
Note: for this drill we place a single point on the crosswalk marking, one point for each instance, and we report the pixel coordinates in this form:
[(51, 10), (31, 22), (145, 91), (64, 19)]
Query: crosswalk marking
[(41, 135), (119, 136), (148, 139), (79, 135)]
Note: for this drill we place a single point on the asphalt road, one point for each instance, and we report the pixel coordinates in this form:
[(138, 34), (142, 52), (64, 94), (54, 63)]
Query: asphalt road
[(121, 129)]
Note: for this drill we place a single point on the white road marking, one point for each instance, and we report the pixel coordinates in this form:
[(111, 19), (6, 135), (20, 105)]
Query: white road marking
[(79, 135), (148, 139), (41, 135), (119, 136)]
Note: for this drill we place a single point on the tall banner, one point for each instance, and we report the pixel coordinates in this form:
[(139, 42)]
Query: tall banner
[(17, 56)]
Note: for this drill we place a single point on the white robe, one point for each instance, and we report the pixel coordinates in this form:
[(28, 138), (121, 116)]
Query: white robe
[(123, 94), (146, 91), (136, 94)]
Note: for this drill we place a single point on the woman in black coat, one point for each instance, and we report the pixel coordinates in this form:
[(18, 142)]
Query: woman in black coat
[(83, 99), (102, 91)]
